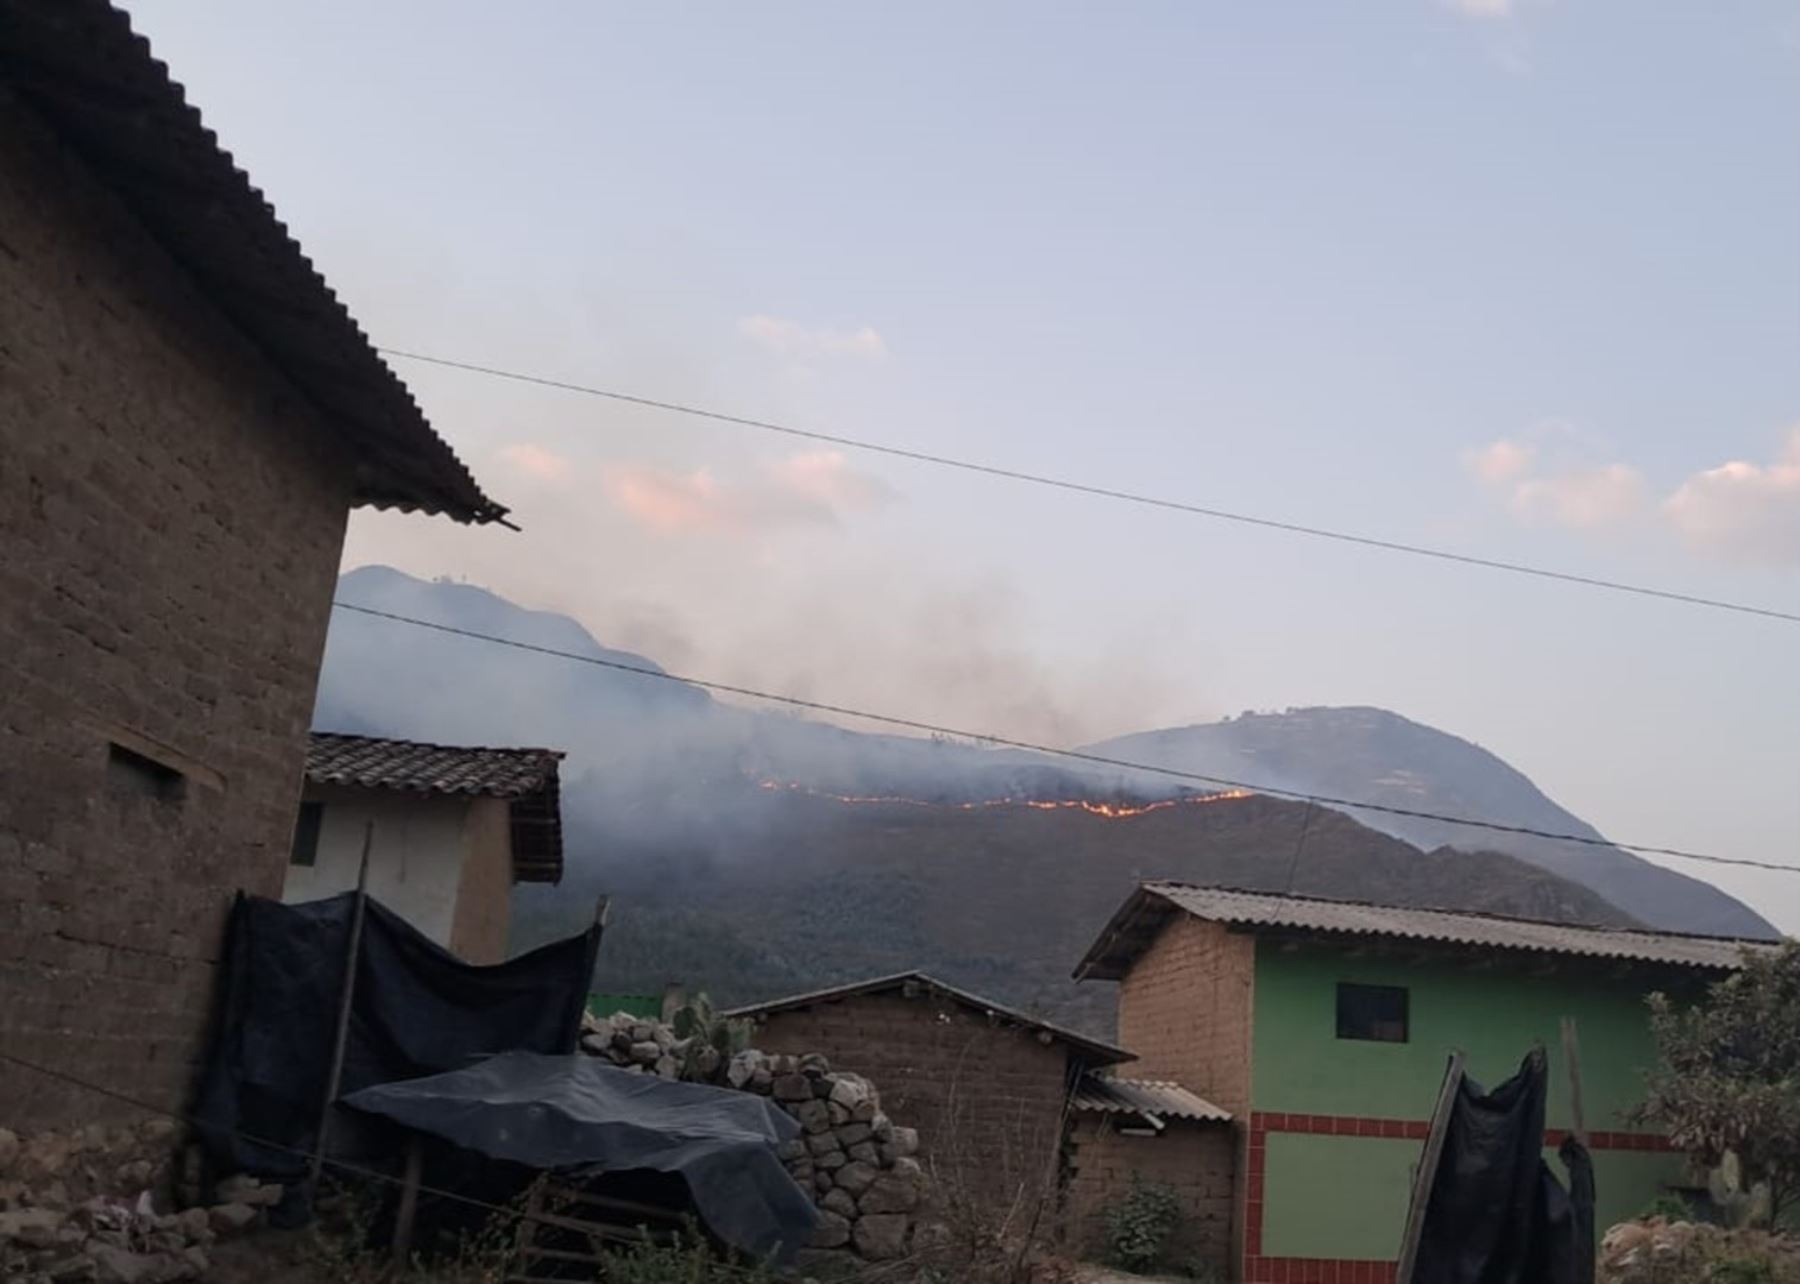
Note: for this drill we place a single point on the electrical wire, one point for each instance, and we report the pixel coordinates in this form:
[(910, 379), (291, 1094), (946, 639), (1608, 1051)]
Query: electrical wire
[(1107, 492), (1076, 755)]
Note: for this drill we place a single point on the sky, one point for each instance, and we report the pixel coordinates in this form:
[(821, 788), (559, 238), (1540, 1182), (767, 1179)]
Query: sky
[(1518, 278)]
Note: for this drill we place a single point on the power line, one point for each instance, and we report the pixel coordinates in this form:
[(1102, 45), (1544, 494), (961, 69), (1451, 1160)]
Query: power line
[(1107, 492), (1077, 755)]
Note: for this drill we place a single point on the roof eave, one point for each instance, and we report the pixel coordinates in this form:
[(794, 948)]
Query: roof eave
[(79, 67)]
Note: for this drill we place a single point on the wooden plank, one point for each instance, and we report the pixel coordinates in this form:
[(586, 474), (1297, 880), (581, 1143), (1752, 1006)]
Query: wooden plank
[(1428, 1166), (352, 952), (1571, 1045), (409, 1202)]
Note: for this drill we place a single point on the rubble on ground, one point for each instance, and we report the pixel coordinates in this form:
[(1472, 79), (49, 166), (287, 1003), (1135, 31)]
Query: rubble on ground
[(49, 1235), (1658, 1251)]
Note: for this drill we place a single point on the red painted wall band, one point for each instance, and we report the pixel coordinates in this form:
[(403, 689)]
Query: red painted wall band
[(1321, 1270)]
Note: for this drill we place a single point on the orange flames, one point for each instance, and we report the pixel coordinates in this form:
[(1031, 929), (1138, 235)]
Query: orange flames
[(1111, 811)]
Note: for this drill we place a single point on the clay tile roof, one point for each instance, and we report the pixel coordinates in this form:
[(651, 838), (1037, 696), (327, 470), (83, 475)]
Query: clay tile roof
[(79, 66), (1154, 1099), (1144, 913), (1095, 1052), (528, 778)]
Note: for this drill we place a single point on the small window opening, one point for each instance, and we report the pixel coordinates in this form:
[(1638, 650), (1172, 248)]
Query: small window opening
[(1376, 1013), (306, 834), (130, 772)]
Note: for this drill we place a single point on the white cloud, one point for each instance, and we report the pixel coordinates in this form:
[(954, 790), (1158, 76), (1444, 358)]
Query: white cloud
[(1742, 511), (1560, 491), (812, 488), (1584, 498), (1501, 461), (1483, 9), (792, 339), (536, 462)]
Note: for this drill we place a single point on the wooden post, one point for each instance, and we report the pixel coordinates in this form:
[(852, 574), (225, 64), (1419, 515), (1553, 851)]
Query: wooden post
[(409, 1201), (1428, 1166), (1571, 1046), (352, 952)]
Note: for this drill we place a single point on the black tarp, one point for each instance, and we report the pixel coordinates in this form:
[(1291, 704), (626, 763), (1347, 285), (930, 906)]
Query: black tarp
[(577, 1115), (418, 1010), (1496, 1214)]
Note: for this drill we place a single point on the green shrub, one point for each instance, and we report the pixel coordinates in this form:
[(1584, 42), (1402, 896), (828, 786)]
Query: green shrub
[(1670, 1207), (1742, 1270), (1138, 1226)]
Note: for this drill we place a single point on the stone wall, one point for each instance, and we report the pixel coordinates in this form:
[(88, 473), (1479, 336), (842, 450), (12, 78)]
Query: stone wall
[(987, 1095), (860, 1168), (1192, 1158), (172, 515), (95, 1204)]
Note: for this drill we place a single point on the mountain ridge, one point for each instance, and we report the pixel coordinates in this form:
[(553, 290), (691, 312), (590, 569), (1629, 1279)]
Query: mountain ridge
[(742, 853)]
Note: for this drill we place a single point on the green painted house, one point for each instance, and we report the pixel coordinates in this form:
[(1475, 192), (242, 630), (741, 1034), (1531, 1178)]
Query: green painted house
[(1324, 1028)]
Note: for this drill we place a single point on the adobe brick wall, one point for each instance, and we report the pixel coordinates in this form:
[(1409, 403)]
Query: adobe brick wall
[(1184, 1008), (1193, 1159), (987, 1099), (171, 517)]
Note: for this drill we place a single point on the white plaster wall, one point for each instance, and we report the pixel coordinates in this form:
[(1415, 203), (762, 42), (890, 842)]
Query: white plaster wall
[(415, 861)]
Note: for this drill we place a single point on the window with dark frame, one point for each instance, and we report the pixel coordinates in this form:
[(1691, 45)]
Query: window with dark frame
[(1373, 1013), (306, 834)]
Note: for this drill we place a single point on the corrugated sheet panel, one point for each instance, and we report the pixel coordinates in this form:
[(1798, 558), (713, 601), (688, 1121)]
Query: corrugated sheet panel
[(1354, 918), (1156, 1099), (78, 64)]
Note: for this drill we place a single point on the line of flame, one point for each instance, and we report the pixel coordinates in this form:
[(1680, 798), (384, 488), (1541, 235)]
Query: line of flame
[(1110, 811)]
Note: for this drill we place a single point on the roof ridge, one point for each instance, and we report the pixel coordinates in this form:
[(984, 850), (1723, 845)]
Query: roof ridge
[(850, 989), (1156, 885), (431, 744)]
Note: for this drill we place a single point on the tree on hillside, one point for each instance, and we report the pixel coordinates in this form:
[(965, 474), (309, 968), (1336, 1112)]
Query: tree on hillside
[(1728, 1080)]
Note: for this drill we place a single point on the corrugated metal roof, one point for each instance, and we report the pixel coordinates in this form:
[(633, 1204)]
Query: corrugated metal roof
[(1125, 936), (1098, 1053), (1154, 1099), (80, 67), (528, 778)]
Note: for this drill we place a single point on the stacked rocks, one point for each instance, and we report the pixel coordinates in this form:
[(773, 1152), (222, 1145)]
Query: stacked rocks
[(860, 1166), (44, 1239), (637, 1043)]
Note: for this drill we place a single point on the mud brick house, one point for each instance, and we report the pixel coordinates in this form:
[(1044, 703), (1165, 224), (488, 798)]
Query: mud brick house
[(986, 1086), (450, 830), (1150, 1131), (1323, 1027), (187, 416)]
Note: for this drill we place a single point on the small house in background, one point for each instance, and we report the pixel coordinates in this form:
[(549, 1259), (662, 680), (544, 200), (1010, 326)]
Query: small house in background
[(451, 829), (1324, 1028), (1123, 1131), (986, 1086)]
